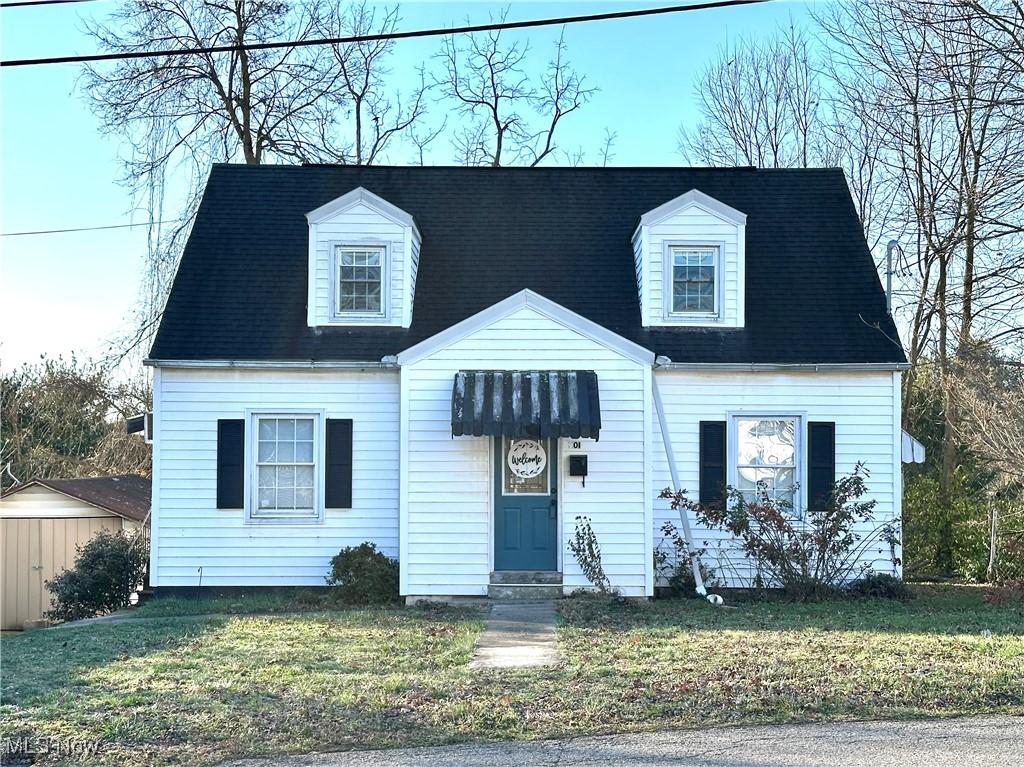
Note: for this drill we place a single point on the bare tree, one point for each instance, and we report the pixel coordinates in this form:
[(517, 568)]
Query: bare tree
[(990, 391), (940, 98), (1001, 27), (760, 105), (246, 104), (378, 115), (769, 103), (422, 137), (608, 146), (919, 74), (509, 117), (179, 114)]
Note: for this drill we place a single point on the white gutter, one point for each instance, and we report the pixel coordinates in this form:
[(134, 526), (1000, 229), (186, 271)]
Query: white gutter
[(663, 363), (385, 363), (684, 520)]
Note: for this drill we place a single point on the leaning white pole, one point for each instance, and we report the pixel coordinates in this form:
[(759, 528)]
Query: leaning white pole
[(670, 457)]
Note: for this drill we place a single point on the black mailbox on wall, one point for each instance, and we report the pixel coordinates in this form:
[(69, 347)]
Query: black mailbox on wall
[(578, 467)]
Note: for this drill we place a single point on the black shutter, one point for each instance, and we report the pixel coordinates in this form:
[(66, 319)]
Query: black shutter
[(231, 464), (339, 464), (821, 463), (712, 462)]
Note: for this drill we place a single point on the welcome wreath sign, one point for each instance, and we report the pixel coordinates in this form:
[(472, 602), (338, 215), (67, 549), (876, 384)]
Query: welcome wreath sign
[(526, 458)]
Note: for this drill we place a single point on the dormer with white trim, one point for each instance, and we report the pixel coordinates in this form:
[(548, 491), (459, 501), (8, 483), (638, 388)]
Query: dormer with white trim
[(689, 256), (363, 256)]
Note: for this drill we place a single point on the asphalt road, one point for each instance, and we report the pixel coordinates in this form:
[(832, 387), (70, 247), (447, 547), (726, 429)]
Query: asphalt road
[(991, 741)]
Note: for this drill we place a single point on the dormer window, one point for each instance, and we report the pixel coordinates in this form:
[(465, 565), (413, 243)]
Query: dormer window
[(694, 279), (361, 285), (689, 255), (364, 253)]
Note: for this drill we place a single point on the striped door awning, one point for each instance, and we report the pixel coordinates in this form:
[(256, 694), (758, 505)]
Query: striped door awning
[(526, 403)]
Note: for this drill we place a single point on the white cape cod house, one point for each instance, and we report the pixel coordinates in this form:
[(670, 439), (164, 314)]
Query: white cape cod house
[(456, 363)]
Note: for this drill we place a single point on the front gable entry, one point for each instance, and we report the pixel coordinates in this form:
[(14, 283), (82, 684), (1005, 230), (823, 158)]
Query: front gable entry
[(363, 258), (450, 484), (538, 305)]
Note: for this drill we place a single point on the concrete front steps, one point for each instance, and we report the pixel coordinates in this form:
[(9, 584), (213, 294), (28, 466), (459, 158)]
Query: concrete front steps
[(526, 585)]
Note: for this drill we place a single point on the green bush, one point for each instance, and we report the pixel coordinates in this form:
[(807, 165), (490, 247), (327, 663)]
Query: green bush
[(880, 586), (108, 569), (362, 575), (943, 540)]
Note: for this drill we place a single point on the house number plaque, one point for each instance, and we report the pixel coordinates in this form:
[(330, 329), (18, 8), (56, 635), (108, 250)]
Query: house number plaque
[(526, 458)]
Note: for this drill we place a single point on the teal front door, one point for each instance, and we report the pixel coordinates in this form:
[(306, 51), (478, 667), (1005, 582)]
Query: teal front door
[(525, 510)]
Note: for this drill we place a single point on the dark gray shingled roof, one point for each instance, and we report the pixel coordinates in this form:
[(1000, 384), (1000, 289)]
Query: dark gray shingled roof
[(812, 292)]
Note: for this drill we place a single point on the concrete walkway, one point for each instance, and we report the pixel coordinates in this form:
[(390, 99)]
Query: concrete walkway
[(991, 741), (517, 635)]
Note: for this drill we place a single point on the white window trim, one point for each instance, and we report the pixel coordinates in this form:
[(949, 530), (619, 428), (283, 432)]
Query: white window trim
[(667, 257), (252, 517), (800, 475), (337, 316)]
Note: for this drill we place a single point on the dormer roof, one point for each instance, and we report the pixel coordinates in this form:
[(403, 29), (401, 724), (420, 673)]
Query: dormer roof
[(358, 196), (693, 198)]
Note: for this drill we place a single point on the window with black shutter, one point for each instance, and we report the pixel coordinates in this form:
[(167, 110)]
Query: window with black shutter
[(821, 463), (712, 462), (339, 464), (231, 464)]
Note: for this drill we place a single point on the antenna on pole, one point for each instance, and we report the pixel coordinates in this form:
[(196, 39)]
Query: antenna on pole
[(893, 245)]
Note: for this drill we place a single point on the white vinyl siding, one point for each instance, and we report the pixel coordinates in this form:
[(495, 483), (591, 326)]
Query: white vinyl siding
[(414, 266), (447, 507), (863, 405), (192, 539)]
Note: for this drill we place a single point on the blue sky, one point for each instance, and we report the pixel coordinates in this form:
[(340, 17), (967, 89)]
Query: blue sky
[(65, 293)]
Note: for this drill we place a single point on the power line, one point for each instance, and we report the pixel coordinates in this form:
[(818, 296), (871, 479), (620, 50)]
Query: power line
[(88, 228), (30, 3), (435, 32)]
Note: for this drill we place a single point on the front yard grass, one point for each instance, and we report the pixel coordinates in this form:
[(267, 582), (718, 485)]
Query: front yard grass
[(200, 690)]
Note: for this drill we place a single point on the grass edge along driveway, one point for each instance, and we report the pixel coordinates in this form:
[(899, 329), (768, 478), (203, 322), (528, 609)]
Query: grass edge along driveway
[(187, 690)]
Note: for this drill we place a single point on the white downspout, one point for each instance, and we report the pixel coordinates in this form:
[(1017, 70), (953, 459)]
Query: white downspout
[(684, 520)]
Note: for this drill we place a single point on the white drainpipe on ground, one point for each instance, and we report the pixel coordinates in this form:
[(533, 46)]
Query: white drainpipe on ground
[(683, 518)]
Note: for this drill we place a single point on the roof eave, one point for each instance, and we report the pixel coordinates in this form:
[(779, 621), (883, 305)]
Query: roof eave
[(88, 502), (384, 363), (815, 367)]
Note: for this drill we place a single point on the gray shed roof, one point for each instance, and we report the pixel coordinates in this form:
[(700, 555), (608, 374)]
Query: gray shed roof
[(127, 495)]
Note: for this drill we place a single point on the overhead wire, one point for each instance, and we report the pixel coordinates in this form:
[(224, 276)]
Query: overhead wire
[(410, 34)]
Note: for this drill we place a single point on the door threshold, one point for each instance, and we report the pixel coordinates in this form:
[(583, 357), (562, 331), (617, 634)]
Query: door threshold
[(526, 577)]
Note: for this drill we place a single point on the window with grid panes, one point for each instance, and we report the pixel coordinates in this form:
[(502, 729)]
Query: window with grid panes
[(360, 280)]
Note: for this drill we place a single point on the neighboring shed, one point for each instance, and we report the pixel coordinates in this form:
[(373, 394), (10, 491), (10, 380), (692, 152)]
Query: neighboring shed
[(43, 522)]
